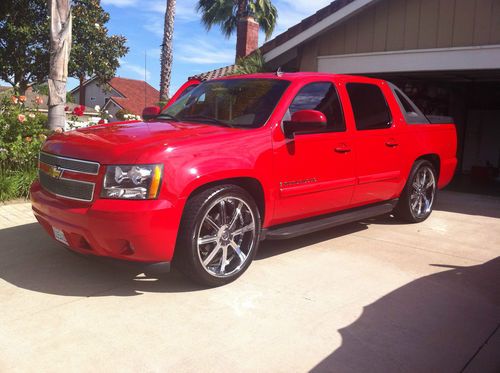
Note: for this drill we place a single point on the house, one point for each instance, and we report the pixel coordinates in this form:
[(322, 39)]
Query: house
[(38, 102), (445, 54), (119, 95)]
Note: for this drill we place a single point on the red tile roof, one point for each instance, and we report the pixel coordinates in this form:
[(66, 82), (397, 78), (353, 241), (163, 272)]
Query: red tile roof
[(137, 94), (217, 73)]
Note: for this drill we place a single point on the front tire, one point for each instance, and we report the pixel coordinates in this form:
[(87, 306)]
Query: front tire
[(218, 235), (417, 200)]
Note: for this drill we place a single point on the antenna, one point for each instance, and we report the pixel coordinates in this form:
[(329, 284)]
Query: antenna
[(145, 75)]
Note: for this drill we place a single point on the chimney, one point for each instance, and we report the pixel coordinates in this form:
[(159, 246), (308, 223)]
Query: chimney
[(248, 36)]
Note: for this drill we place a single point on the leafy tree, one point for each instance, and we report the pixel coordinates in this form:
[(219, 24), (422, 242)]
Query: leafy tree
[(166, 52), (227, 14), (24, 42), (94, 52)]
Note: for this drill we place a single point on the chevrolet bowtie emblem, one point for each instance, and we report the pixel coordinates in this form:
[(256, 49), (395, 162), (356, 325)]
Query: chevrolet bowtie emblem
[(54, 171)]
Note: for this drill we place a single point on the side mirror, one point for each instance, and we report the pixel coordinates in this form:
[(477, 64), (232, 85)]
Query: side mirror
[(151, 112), (305, 121)]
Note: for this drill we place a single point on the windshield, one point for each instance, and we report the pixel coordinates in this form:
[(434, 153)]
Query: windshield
[(231, 102)]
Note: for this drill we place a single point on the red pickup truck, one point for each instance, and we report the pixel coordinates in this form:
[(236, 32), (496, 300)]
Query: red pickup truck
[(239, 159)]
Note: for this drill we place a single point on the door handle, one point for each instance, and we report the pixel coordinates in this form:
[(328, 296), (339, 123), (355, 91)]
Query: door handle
[(342, 149), (391, 143)]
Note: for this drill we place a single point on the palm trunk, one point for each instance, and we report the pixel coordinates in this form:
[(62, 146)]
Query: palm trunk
[(60, 45), (166, 53)]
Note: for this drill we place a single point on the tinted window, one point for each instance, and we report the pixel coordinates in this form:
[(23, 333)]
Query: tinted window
[(406, 105), (322, 97), (369, 106), (187, 90), (410, 111), (235, 102)]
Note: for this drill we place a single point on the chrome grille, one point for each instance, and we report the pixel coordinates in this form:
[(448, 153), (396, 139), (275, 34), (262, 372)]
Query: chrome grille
[(70, 164), (67, 188), (56, 183)]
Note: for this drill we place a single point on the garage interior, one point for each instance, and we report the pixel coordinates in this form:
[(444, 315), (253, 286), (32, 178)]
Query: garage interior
[(472, 99)]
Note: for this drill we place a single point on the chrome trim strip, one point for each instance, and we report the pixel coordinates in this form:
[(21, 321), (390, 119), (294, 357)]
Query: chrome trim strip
[(72, 160)]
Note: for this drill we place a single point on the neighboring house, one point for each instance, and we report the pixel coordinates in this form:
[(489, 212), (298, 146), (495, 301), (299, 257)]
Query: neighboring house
[(445, 54), (120, 94), (30, 104)]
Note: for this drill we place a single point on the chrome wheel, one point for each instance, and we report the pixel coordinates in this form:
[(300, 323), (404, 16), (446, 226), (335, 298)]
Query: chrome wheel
[(226, 236), (423, 190)]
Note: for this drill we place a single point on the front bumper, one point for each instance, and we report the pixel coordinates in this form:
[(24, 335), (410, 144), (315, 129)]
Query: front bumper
[(143, 231)]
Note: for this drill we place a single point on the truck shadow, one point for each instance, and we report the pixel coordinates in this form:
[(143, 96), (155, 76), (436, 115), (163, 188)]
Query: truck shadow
[(436, 323), (32, 260)]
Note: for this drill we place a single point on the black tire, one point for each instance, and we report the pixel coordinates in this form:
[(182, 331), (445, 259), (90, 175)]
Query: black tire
[(406, 209), (189, 256)]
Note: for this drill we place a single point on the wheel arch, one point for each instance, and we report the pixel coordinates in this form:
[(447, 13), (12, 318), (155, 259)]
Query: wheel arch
[(434, 159), (250, 184)]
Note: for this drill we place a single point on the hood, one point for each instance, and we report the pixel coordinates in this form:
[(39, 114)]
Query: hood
[(126, 142)]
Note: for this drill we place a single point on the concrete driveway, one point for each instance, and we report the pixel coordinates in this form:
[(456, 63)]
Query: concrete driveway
[(376, 296)]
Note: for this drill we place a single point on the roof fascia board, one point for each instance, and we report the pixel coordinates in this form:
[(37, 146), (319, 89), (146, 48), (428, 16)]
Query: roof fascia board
[(114, 102), (322, 25), (77, 88)]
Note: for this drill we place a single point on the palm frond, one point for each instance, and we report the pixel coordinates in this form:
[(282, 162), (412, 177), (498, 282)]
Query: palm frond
[(224, 13)]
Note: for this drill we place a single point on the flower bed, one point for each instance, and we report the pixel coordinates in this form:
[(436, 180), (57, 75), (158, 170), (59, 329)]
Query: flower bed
[(22, 133)]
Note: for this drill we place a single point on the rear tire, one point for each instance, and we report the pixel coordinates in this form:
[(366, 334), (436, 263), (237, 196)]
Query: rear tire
[(218, 235), (417, 200)]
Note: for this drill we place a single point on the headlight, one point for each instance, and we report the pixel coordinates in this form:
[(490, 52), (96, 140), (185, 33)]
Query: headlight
[(132, 181)]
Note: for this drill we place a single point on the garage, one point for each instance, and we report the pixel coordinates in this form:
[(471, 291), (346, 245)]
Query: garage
[(444, 54)]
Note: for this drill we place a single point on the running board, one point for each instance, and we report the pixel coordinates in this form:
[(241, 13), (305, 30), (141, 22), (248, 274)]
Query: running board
[(295, 229)]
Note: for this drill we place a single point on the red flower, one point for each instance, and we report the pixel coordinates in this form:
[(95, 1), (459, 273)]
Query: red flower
[(66, 108), (78, 110), (101, 121)]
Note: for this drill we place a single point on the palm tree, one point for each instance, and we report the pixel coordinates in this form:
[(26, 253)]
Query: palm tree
[(60, 45), (227, 14), (166, 51)]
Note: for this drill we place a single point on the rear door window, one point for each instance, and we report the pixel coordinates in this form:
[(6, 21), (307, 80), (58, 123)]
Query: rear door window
[(369, 106)]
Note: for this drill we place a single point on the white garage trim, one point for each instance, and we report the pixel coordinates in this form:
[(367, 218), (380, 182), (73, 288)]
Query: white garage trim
[(331, 20), (466, 58)]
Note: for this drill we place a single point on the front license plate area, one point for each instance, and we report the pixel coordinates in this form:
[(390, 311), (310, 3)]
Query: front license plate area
[(60, 236)]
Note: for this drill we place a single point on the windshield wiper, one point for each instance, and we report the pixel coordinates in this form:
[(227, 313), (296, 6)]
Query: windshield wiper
[(204, 118), (168, 116)]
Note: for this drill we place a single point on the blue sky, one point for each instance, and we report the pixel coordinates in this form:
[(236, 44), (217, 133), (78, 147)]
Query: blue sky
[(195, 49)]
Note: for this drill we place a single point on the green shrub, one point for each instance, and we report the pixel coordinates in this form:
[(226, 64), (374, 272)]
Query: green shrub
[(22, 134), (16, 184)]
